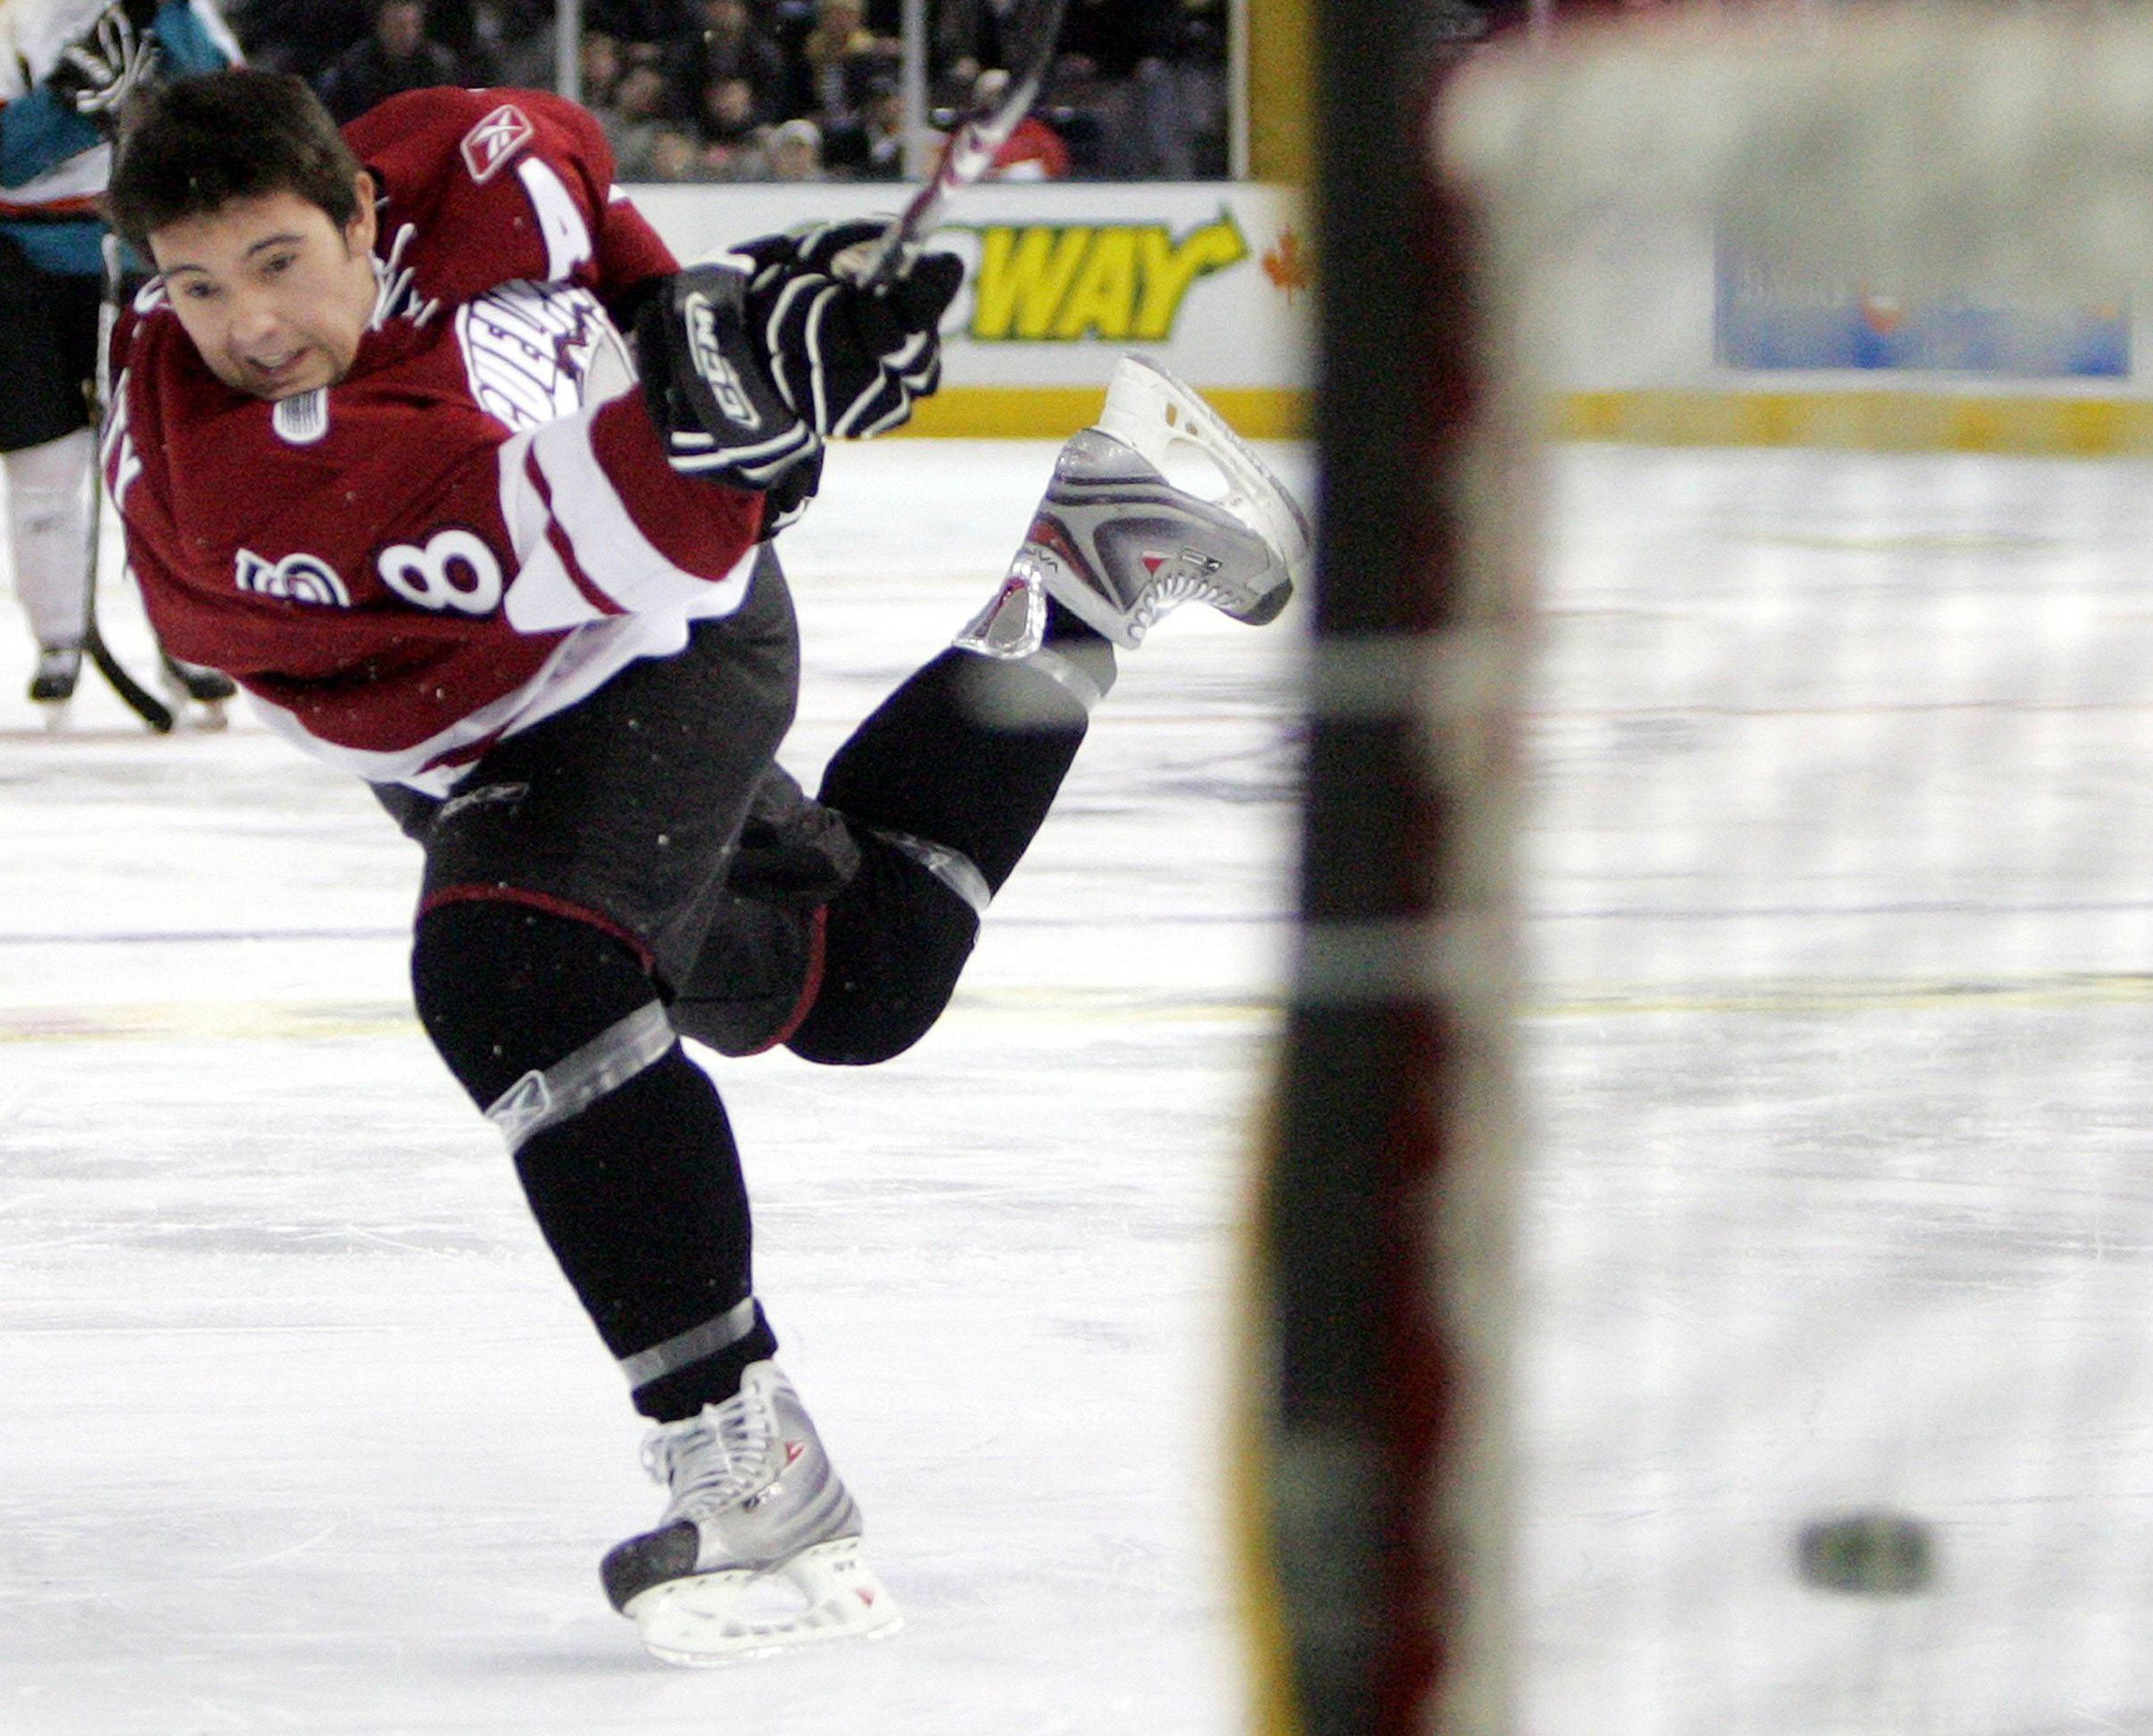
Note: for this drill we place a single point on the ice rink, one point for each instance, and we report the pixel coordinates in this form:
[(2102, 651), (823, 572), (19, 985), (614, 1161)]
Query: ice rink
[(302, 1431), (1840, 902), (1836, 1040)]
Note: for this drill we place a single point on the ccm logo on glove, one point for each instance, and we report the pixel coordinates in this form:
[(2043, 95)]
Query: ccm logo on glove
[(709, 357)]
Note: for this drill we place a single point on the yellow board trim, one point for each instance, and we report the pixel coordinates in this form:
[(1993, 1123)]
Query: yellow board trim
[(1862, 421), (1867, 421), (1055, 413)]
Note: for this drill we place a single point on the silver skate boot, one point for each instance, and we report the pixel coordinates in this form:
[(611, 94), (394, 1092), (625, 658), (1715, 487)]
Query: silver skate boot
[(760, 1549), (1117, 544), (53, 684)]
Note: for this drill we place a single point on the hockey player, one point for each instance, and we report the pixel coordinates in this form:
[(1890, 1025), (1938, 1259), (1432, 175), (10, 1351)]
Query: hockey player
[(380, 455), (65, 67)]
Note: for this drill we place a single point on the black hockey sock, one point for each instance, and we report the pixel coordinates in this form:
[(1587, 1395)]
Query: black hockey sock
[(640, 1198), (929, 763), (639, 1194)]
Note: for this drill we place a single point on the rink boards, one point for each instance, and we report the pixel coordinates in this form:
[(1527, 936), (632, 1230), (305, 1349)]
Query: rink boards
[(1213, 279)]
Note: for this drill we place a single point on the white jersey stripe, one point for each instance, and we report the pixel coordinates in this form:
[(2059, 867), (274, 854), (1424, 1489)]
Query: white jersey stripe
[(604, 539), (82, 177), (550, 592), (584, 661)]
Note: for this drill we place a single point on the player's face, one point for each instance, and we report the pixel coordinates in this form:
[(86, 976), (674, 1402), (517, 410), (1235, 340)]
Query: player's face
[(274, 293)]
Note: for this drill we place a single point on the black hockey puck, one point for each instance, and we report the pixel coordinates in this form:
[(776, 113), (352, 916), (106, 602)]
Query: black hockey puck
[(1874, 1555)]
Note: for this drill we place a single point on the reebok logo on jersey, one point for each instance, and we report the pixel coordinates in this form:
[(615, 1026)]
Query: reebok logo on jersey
[(294, 579), (494, 140), (707, 358)]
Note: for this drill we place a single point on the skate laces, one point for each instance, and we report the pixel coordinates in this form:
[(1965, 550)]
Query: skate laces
[(714, 1460)]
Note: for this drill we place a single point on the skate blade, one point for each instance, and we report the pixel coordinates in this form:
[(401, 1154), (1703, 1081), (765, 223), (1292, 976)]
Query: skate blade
[(55, 715), (828, 1593), (187, 711), (1159, 416)]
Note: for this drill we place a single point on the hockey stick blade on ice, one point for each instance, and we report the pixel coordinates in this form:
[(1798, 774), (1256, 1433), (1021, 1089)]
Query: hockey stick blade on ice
[(970, 148), (144, 704)]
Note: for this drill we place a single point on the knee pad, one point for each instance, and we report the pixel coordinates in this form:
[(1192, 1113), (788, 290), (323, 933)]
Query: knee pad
[(896, 939), (536, 1014)]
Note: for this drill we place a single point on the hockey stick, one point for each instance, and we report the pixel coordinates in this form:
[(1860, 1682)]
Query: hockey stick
[(144, 704), (970, 149)]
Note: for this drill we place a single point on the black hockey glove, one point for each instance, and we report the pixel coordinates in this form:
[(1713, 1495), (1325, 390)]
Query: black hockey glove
[(850, 361), (109, 63), (708, 391)]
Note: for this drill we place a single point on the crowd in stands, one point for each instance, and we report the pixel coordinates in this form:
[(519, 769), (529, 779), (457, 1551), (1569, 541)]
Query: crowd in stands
[(788, 90)]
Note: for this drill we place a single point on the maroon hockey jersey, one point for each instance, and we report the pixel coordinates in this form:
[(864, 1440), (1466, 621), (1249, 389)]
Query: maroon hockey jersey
[(478, 526)]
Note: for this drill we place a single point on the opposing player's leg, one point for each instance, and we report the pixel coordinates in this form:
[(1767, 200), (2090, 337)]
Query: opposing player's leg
[(187, 684), (48, 532), (48, 327)]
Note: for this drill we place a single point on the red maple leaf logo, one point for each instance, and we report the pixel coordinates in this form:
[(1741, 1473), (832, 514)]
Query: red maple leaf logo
[(1287, 264)]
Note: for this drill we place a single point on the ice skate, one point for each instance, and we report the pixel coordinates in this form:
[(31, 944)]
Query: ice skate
[(206, 688), (1118, 544), (52, 686), (758, 1550)]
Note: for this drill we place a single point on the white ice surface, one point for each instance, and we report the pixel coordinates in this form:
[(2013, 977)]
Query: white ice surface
[(1840, 894), (1841, 925), (299, 1430)]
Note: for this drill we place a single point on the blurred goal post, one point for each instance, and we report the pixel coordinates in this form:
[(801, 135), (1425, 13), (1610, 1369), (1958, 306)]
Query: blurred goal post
[(1944, 150)]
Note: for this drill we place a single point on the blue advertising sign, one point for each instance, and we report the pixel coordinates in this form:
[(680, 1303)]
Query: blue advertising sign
[(1765, 321)]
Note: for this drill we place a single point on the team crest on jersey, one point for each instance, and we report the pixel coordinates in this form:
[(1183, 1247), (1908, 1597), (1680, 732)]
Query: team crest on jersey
[(494, 140), (295, 579), (534, 352)]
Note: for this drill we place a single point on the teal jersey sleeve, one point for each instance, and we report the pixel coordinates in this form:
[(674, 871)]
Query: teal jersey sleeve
[(194, 38), (38, 133)]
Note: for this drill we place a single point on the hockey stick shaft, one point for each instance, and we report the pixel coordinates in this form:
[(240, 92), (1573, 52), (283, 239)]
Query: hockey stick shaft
[(138, 700), (969, 150), (137, 697)]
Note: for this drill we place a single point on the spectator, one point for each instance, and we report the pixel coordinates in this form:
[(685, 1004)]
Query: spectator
[(728, 47), (870, 146), (1201, 62), (516, 38), (964, 36), (454, 25), (601, 69), (725, 121), (1110, 38), (672, 156), (795, 153), (638, 20), (1033, 150), (298, 36), (1120, 58), (636, 116), (840, 61), (496, 42), (397, 56)]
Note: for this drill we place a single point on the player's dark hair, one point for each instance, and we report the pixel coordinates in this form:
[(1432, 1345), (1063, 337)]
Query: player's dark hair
[(189, 148)]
